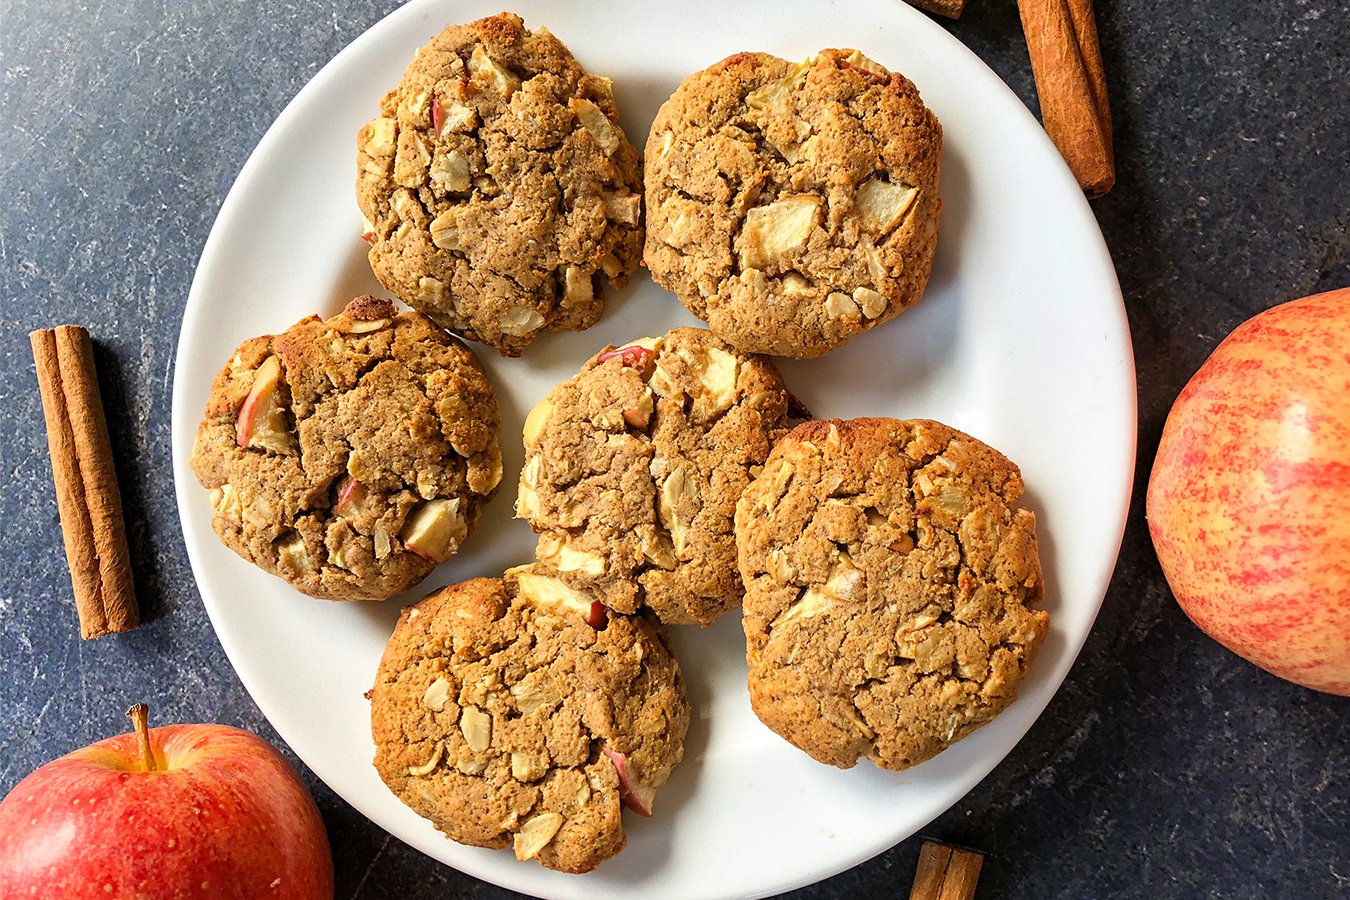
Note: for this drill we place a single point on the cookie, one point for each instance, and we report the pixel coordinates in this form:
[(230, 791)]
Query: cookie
[(350, 456), (633, 469), (793, 207), (507, 719), (499, 191), (891, 585)]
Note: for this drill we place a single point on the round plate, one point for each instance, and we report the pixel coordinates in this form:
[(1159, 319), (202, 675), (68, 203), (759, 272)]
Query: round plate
[(1021, 341)]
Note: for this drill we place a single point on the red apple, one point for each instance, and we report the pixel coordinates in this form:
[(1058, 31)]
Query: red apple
[(184, 811), (1249, 498)]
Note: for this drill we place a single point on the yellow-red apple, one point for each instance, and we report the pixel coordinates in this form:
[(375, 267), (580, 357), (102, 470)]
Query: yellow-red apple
[(1249, 498), (184, 811)]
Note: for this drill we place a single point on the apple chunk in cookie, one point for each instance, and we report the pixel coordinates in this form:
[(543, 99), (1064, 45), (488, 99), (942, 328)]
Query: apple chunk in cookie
[(262, 419), (350, 456), (435, 530), (505, 716), (633, 467), (547, 592)]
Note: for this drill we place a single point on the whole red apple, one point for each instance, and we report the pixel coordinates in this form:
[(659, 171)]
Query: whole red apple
[(184, 811), (1249, 499)]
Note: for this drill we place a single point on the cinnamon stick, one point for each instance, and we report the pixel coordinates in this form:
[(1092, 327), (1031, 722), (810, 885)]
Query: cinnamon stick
[(86, 484), (1071, 84), (952, 9), (945, 873)]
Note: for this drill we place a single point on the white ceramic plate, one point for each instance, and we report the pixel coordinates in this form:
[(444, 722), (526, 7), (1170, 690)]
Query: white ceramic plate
[(1021, 341)]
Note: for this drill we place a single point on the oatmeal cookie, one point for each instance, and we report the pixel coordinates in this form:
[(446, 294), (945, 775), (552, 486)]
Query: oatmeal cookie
[(499, 191), (505, 717), (793, 206), (350, 456), (890, 586), (633, 468)]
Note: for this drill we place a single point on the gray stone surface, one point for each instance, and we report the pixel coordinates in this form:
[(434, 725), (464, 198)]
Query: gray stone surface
[(1165, 767)]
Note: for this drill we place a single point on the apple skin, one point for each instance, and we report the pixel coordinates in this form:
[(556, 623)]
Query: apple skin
[(224, 816), (260, 404), (352, 497), (634, 796), (598, 617), (1249, 497), (632, 356)]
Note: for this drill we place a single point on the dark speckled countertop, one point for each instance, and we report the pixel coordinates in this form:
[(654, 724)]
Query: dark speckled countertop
[(1164, 767)]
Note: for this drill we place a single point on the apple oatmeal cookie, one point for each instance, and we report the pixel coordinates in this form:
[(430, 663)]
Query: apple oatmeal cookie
[(518, 713), (499, 190), (633, 468), (350, 456), (891, 586), (793, 207)]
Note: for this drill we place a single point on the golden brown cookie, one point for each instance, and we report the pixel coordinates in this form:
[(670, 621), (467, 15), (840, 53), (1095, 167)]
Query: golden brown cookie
[(633, 469), (505, 717), (793, 207), (350, 456), (890, 588), (499, 191)]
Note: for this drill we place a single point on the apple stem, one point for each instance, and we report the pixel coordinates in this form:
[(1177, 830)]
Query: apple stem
[(140, 718)]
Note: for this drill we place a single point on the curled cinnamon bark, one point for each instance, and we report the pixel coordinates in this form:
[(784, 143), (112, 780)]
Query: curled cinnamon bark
[(1071, 83), (86, 484)]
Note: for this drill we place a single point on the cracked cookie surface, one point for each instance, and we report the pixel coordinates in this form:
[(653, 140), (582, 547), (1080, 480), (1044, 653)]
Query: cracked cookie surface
[(634, 466), (350, 456), (499, 191), (504, 717), (792, 207), (890, 585)]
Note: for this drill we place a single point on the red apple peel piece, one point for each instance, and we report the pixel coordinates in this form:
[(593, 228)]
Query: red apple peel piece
[(636, 797), (436, 114), (598, 617), (633, 357), (262, 420), (352, 496), (874, 77)]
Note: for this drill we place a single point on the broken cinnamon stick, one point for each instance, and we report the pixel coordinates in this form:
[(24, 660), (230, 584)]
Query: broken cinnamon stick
[(945, 873), (86, 484), (952, 9), (1071, 84)]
